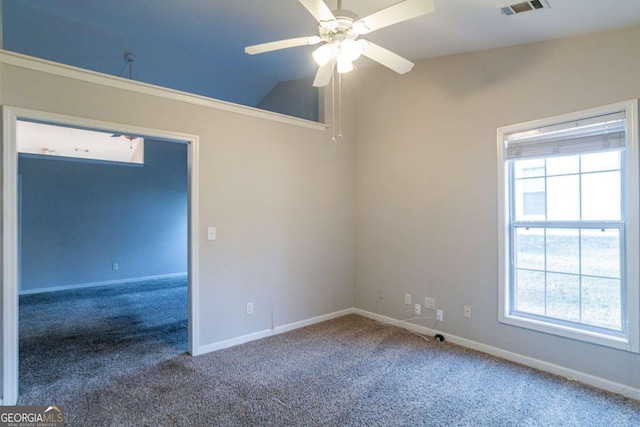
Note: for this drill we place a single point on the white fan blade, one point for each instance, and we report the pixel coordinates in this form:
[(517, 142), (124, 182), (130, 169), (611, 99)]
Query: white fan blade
[(323, 77), (404, 11), (319, 10), (281, 44), (385, 57)]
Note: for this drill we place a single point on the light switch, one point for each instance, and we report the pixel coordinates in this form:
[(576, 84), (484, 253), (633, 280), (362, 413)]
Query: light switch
[(211, 233)]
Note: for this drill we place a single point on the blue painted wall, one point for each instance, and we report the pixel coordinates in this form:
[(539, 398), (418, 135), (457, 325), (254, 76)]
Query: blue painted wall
[(219, 70), (78, 218), (34, 32), (294, 98)]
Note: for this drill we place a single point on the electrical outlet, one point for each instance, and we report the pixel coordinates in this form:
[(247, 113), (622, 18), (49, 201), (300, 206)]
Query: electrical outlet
[(249, 308), (430, 303), (440, 316), (417, 309), (115, 266), (467, 311), (407, 299), (381, 293)]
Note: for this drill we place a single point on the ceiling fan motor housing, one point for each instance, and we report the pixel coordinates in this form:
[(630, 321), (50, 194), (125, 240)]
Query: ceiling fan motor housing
[(340, 28)]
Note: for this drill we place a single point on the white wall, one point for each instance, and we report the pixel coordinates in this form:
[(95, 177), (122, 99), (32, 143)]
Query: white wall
[(426, 220), (280, 195), (424, 185)]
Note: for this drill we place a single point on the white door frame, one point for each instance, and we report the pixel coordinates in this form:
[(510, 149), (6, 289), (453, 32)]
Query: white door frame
[(10, 336)]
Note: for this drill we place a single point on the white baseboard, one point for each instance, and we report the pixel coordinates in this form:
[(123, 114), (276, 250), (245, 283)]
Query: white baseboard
[(270, 332), (562, 371), (94, 284)]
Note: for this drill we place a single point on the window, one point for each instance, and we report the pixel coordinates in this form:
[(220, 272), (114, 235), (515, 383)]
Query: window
[(569, 225)]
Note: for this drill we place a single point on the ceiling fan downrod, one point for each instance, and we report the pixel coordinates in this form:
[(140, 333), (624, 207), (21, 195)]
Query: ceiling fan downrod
[(130, 57)]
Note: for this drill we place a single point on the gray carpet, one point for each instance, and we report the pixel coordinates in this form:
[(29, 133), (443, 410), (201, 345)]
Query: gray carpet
[(72, 341), (129, 369)]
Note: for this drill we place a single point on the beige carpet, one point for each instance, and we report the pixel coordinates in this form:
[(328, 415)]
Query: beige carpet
[(345, 372)]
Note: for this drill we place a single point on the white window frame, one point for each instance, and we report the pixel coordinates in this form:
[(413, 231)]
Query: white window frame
[(630, 341)]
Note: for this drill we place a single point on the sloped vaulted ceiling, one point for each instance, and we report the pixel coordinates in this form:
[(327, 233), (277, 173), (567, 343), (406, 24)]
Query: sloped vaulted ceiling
[(197, 46)]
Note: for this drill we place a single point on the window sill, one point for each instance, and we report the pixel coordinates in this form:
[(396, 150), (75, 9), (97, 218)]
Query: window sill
[(619, 343)]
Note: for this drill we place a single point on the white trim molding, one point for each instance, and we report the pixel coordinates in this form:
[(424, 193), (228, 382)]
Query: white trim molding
[(551, 368), (104, 283), (274, 331), (9, 258), (193, 251), (10, 227), (54, 68)]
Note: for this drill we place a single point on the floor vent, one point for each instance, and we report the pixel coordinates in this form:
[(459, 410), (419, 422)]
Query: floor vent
[(525, 6)]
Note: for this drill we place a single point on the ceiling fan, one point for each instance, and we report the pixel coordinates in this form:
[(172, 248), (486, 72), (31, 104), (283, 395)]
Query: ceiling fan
[(339, 31)]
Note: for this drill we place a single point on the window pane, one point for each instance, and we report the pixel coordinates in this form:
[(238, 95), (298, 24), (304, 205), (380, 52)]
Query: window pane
[(529, 168), (563, 165), (601, 196), (595, 162), (529, 246), (601, 303), (529, 292), (533, 203), (527, 194), (563, 198), (563, 250), (601, 253), (563, 296)]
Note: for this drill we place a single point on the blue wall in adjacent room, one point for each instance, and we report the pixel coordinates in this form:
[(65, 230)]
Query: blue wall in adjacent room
[(296, 98), (79, 218)]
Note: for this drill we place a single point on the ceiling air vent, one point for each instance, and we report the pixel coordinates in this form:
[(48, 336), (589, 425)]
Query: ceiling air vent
[(525, 6)]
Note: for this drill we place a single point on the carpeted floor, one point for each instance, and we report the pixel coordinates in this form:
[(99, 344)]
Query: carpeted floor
[(73, 341), (124, 365)]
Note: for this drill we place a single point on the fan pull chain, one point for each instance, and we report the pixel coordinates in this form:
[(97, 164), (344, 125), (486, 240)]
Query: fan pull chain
[(333, 106), (337, 125), (339, 128)]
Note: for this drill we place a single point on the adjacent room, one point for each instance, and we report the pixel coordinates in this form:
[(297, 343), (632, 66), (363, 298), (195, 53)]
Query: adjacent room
[(103, 251), (347, 212)]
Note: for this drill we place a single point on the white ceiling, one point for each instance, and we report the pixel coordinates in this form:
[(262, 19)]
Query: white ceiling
[(59, 141), (471, 25)]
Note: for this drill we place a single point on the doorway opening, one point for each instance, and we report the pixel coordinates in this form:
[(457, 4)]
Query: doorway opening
[(124, 261)]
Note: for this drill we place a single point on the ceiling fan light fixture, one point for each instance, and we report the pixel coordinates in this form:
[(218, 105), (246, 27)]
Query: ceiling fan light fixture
[(344, 64), (323, 54), (351, 49)]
